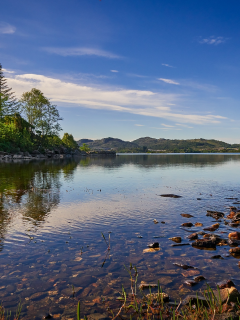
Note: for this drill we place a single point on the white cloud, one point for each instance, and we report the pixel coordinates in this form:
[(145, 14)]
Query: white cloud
[(7, 71), (139, 125), (82, 51), (140, 102), (167, 65), (212, 40), (167, 125), (114, 70), (168, 81), (6, 28)]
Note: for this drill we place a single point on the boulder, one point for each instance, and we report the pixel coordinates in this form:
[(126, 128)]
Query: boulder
[(214, 227), (215, 214), (187, 224), (234, 235), (225, 284), (235, 251), (227, 295), (204, 243)]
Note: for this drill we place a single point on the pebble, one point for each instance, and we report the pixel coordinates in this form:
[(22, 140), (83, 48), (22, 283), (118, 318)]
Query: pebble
[(186, 215), (190, 283), (154, 245), (193, 236), (187, 224), (176, 239), (199, 278)]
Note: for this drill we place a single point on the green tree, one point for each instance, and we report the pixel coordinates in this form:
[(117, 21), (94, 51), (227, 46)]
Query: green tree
[(69, 142), (9, 104), (85, 147), (40, 113)]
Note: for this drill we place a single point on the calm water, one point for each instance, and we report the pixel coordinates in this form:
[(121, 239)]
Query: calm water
[(53, 214)]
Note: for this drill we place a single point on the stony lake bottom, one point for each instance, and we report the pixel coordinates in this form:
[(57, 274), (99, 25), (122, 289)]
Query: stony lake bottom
[(53, 214)]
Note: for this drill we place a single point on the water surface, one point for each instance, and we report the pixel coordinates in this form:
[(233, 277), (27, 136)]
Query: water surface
[(53, 214)]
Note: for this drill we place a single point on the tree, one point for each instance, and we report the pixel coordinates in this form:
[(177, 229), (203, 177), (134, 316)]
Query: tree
[(9, 104), (85, 147), (40, 113), (69, 141)]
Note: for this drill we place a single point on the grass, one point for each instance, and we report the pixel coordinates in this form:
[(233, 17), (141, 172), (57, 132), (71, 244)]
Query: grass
[(8, 315), (135, 304)]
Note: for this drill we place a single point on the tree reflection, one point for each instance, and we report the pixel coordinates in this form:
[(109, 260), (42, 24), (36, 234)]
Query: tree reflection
[(31, 189)]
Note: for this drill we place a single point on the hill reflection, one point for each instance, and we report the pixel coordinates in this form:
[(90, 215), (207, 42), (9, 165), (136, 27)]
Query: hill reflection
[(163, 160)]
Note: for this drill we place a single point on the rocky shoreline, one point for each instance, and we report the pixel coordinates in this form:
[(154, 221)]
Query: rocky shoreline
[(51, 154)]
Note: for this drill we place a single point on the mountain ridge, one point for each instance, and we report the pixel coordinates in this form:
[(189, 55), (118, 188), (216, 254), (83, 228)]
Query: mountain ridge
[(145, 144)]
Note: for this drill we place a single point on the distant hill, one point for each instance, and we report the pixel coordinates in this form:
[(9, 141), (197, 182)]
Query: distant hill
[(108, 143), (171, 145), (161, 145)]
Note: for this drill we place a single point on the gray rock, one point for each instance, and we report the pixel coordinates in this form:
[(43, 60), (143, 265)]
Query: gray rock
[(194, 300)]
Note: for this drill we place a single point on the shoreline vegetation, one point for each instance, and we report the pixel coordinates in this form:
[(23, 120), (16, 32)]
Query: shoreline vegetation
[(30, 126)]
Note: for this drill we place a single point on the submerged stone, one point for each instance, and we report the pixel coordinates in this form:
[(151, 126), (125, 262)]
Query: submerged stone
[(198, 224), (199, 278), (186, 215), (187, 224), (215, 214), (193, 236), (217, 257), (143, 285), (170, 195), (190, 283), (183, 266), (204, 243), (176, 239)]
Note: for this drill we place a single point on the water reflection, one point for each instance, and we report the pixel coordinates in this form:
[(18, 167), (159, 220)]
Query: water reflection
[(66, 204), (31, 188)]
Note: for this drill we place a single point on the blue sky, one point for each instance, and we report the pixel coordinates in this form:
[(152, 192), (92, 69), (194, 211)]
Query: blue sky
[(128, 69)]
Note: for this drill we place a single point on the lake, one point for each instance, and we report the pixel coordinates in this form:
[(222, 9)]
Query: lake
[(54, 215)]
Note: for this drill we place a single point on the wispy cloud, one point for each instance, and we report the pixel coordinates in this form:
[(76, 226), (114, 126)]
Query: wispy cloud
[(82, 51), (183, 125), (6, 28), (136, 75), (167, 65), (139, 125), (159, 128), (7, 71), (168, 81), (167, 125), (212, 40), (140, 102), (114, 70)]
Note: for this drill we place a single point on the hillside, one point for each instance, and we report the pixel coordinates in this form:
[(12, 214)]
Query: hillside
[(171, 145), (108, 143), (161, 145)]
